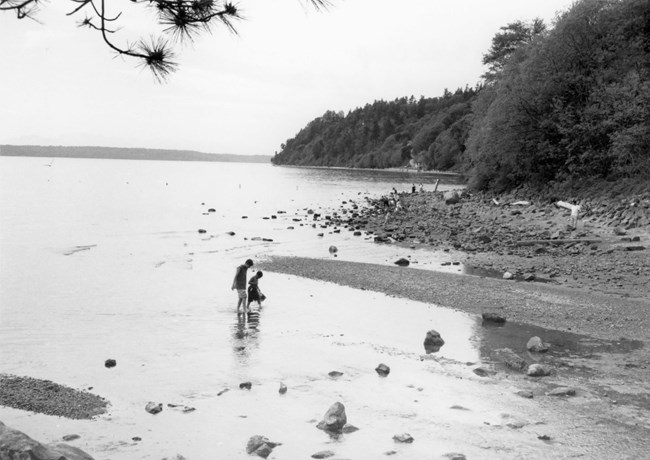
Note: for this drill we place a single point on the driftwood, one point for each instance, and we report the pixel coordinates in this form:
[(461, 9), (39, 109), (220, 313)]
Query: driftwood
[(558, 241)]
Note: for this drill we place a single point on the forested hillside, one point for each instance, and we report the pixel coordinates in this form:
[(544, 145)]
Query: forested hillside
[(559, 103)]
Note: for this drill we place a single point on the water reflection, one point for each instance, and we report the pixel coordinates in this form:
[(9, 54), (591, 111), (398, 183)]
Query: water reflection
[(245, 336)]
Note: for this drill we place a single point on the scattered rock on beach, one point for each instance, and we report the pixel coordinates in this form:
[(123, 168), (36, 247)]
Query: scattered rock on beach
[(508, 276), (535, 344), (153, 408), (245, 386), (525, 394), (334, 419), (455, 456), (260, 446), (70, 437), (492, 317), (483, 371), (402, 262), (333, 249), (562, 391), (323, 454), (538, 370), (283, 389), (335, 374), (16, 444), (404, 438), (202, 230), (110, 363), (383, 370), (511, 359), (433, 342)]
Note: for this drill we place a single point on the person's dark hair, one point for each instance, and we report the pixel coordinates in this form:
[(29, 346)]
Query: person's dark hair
[(259, 274), (249, 262)]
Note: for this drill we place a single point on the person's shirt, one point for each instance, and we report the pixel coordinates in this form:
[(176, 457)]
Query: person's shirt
[(253, 281), (240, 277)]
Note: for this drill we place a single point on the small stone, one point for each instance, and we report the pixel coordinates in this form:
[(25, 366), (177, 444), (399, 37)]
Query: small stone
[(110, 363), (535, 344), (383, 370), (402, 262), (538, 370), (153, 408), (455, 456), (508, 276), (202, 230), (334, 420), (544, 437), (491, 317), (323, 454), (529, 277), (245, 385), (283, 389), (433, 342), (525, 394), (70, 437), (562, 391), (333, 249), (483, 372), (404, 438), (335, 374), (347, 428)]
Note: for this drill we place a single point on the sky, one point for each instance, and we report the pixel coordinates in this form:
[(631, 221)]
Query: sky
[(246, 93)]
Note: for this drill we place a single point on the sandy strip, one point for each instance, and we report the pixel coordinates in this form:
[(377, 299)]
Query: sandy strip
[(566, 309)]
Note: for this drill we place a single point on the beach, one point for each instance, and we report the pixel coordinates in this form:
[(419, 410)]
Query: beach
[(127, 276)]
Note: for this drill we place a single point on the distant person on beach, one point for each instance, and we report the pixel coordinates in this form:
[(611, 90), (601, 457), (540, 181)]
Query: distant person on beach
[(239, 283), (254, 293)]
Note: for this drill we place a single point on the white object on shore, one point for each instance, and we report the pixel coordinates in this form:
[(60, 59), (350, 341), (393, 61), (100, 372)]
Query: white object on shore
[(575, 211)]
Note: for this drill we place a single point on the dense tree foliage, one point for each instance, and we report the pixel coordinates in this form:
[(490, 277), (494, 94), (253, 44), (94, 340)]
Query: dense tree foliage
[(558, 104), (386, 134)]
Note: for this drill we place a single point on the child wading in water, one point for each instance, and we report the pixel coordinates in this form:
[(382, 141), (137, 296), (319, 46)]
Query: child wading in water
[(254, 293)]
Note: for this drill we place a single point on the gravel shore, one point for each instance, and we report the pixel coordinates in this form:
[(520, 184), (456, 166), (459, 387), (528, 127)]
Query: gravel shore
[(554, 307)]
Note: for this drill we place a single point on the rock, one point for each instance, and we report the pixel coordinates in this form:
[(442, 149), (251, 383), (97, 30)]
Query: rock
[(283, 388), (508, 276), (404, 437), (202, 230), (70, 437), (529, 277), (245, 385), (451, 197), (484, 239), (334, 419), (260, 446), (175, 457), (544, 437), (383, 370), (635, 248), (402, 262), (323, 454), (525, 394), (492, 317), (335, 374), (349, 428), (333, 249), (562, 391), (15, 444), (110, 363), (212, 210), (433, 342), (483, 372), (455, 456), (511, 359), (619, 231), (538, 370), (153, 408), (230, 233), (535, 344)]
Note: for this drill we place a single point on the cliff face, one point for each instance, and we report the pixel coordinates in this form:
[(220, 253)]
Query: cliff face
[(125, 153)]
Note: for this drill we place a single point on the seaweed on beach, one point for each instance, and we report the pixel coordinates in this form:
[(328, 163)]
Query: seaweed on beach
[(47, 397)]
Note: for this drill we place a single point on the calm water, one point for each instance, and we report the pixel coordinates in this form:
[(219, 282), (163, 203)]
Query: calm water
[(103, 259)]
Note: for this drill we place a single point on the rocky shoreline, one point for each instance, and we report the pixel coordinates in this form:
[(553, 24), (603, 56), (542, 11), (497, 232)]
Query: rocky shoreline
[(607, 251)]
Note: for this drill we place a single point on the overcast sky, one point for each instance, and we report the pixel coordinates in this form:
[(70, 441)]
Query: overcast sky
[(245, 94)]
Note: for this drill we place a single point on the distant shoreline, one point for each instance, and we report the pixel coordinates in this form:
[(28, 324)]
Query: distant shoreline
[(125, 153), (402, 170)]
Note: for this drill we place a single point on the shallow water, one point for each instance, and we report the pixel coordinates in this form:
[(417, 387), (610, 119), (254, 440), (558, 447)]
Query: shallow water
[(102, 259)]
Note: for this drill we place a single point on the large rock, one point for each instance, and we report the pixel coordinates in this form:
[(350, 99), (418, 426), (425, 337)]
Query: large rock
[(260, 446), (433, 341), (402, 262), (17, 445), (153, 408), (535, 344), (334, 420)]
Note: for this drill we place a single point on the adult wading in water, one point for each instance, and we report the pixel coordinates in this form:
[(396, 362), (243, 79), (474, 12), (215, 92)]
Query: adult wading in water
[(239, 283)]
